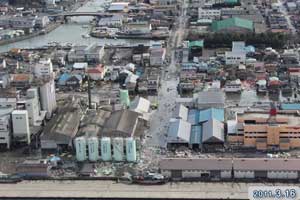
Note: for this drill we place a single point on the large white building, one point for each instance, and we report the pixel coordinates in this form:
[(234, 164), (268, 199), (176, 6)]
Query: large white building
[(237, 55), (43, 68), (92, 53), (35, 114), (44, 71), (48, 97), (20, 123), (209, 14), (235, 58), (5, 127)]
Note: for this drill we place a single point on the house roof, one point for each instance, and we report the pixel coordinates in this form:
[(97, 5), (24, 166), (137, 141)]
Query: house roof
[(232, 22), (21, 77), (98, 69), (206, 98), (65, 77), (179, 129), (213, 131), (63, 127), (80, 65), (211, 113), (196, 164), (181, 112), (140, 105), (122, 123)]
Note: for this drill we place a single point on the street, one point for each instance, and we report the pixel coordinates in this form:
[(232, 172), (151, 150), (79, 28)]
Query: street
[(284, 11), (168, 91)]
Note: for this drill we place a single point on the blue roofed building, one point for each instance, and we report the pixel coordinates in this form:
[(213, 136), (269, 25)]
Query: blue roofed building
[(202, 127), (193, 116), (211, 113), (179, 132), (212, 120), (63, 78), (196, 136), (70, 80)]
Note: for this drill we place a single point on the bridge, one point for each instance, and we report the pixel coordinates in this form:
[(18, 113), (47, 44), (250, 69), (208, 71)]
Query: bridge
[(78, 14)]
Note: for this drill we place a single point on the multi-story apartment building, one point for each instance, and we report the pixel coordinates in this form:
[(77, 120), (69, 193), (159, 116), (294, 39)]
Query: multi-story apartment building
[(265, 131)]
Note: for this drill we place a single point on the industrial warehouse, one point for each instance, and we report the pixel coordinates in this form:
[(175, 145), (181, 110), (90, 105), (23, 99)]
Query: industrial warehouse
[(228, 169)]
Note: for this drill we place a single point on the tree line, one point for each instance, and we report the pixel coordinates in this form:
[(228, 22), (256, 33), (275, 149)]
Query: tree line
[(218, 40)]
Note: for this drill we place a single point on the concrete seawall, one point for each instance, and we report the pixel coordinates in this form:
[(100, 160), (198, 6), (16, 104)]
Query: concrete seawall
[(50, 28)]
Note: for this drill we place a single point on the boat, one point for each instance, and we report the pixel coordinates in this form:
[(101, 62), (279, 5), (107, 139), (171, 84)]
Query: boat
[(85, 36), (85, 26), (5, 178)]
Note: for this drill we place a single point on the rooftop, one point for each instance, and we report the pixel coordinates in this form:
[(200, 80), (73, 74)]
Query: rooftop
[(63, 126), (262, 117), (121, 123)]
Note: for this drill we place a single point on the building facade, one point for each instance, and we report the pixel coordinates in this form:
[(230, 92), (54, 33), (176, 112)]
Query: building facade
[(263, 132)]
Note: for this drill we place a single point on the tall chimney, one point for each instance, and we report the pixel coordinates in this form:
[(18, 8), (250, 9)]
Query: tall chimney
[(89, 93)]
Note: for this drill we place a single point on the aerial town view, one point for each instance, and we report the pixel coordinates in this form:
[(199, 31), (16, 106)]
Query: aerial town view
[(150, 99)]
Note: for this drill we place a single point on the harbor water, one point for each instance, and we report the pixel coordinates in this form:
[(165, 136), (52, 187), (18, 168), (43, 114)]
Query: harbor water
[(72, 32)]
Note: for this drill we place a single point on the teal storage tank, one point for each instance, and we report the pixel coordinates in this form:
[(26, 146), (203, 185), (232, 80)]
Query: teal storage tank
[(106, 149), (93, 147), (118, 149), (124, 97), (80, 147), (130, 149)]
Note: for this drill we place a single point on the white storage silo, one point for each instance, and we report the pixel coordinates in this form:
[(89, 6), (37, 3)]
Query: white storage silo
[(20, 121), (93, 147), (80, 147), (130, 149), (106, 149), (118, 149)]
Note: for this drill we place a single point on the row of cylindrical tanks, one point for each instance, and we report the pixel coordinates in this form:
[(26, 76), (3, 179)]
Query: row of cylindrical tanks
[(110, 149)]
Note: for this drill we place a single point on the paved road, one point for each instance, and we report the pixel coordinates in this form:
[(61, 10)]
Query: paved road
[(284, 11), (109, 189), (168, 91)]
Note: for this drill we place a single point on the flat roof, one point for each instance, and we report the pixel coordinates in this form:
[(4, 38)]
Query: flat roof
[(19, 112), (288, 118)]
